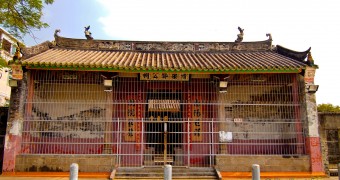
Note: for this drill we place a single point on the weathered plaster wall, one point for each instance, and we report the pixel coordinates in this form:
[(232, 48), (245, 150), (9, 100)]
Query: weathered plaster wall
[(324, 148), (14, 125), (313, 143), (329, 120), (267, 163), (61, 163), (257, 106), (69, 113), (240, 102), (312, 115), (5, 90), (62, 100), (329, 123)]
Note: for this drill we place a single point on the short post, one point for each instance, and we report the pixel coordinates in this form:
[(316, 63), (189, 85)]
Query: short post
[(74, 171), (167, 172), (339, 171), (255, 172)]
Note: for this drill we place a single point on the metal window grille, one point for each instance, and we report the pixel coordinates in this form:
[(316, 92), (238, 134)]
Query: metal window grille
[(147, 123), (333, 146)]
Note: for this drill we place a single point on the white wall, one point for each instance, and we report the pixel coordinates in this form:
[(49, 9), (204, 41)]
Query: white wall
[(5, 90)]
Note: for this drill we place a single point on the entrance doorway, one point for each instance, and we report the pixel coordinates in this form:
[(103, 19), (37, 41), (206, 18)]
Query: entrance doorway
[(164, 127), (156, 131)]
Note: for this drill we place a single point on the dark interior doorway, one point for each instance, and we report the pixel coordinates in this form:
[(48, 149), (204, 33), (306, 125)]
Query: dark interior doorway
[(167, 110), (3, 125)]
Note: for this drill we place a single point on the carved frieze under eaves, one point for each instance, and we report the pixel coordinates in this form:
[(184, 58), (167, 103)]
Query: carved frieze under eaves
[(108, 45), (161, 46)]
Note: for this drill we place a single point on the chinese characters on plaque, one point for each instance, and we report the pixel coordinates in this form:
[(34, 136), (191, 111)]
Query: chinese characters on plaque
[(159, 118), (164, 76), (130, 126), (196, 125)]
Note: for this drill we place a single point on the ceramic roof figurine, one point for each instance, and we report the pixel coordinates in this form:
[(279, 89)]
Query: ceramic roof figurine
[(240, 36), (88, 33)]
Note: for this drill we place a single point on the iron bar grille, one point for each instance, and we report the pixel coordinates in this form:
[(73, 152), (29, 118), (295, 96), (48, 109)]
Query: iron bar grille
[(333, 146), (144, 123)]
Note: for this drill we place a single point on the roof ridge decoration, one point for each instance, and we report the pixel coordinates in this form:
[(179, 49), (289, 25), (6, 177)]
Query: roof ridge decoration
[(153, 56), (158, 46), (239, 36), (37, 49), (87, 32), (296, 55)]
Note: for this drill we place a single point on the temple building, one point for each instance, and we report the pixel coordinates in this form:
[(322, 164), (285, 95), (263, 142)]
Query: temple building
[(108, 104)]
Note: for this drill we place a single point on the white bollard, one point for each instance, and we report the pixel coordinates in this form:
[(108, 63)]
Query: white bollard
[(74, 171), (168, 172), (339, 171), (255, 172)]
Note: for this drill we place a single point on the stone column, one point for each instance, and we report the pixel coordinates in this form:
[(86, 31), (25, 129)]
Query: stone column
[(108, 124), (224, 117), (313, 144), (15, 125)]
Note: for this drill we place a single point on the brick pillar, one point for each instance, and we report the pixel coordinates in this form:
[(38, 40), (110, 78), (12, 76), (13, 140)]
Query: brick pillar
[(14, 125), (313, 144)]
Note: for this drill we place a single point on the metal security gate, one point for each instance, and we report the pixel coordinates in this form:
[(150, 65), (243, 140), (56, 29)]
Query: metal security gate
[(163, 142), (164, 128), (167, 142), (151, 123)]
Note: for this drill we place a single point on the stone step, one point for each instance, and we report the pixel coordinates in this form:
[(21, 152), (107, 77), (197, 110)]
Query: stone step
[(158, 173), (144, 174), (173, 177)]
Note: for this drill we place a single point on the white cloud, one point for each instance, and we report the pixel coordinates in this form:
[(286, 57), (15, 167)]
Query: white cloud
[(294, 24)]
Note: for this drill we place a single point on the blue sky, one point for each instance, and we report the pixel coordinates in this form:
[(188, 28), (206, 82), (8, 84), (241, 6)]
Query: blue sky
[(297, 25)]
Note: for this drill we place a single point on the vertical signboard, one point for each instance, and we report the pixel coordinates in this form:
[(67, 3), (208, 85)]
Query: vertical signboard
[(196, 124)]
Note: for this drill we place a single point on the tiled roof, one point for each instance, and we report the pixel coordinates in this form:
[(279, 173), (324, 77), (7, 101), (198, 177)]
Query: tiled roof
[(256, 61)]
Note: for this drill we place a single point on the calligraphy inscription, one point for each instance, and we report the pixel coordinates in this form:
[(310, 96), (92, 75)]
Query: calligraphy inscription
[(164, 76), (130, 126), (196, 125)]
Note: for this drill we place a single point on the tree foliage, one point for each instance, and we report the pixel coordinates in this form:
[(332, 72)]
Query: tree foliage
[(328, 108), (20, 17), (3, 62)]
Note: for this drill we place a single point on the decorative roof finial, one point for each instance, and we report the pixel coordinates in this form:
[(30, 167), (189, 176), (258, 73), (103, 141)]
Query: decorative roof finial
[(269, 37), (310, 60), (56, 32), (239, 36), (88, 33)]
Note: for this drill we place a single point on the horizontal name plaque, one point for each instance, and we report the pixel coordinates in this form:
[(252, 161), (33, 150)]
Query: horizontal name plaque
[(164, 76)]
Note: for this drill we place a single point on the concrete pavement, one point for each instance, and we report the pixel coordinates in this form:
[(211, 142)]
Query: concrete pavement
[(67, 178), (45, 178)]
